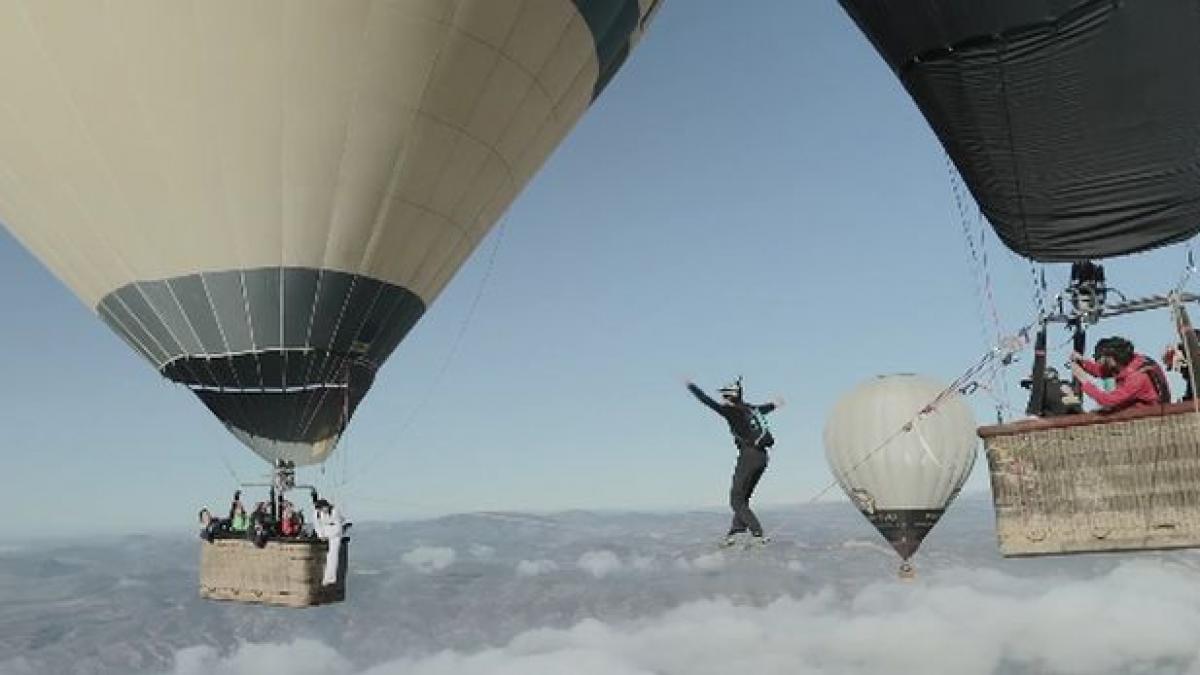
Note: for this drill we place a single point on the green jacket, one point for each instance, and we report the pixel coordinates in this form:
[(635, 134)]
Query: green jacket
[(239, 522)]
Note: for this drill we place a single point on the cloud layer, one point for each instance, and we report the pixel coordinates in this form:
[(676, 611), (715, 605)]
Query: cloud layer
[(533, 568), (600, 563), (429, 559), (1140, 617)]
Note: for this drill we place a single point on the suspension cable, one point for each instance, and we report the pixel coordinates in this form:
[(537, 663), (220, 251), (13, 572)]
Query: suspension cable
[(980, 277), (367, 462)]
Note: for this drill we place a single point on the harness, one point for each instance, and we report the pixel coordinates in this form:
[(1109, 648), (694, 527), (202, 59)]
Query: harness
[(1152, 370)]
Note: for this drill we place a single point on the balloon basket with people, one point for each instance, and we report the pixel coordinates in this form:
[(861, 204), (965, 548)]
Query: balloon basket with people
[(272, 554), (1124, 477)]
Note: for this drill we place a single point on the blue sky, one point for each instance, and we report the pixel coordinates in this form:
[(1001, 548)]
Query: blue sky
[(754, 194)]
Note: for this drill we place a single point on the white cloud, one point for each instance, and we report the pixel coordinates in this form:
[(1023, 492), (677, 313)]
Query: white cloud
[(643, 563), (706, 562), (795, 566), (302, 657), (863, 544), (600, 563), (533, 568), (482, 551), (430, 559), (1141, 617)]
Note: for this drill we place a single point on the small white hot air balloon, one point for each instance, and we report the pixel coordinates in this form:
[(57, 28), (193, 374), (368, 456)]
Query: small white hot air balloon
[(898, 458)]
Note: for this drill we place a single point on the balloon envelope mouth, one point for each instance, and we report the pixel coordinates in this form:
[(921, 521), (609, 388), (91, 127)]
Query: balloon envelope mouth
[(904, 529), (300, 453), (298, 422), (282, 355)]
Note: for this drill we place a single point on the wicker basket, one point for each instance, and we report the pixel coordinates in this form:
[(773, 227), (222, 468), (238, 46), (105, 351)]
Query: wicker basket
[(1089, 483), (284, 572)]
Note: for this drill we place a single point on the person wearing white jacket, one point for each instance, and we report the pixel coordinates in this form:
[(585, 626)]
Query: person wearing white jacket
[(329, 526)]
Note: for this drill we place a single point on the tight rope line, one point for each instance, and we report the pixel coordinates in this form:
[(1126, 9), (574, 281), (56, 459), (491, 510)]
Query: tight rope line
[(966, 383), (995, 360)]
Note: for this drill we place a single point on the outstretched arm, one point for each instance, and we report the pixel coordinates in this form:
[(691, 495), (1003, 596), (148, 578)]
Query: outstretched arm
[(775, 404), (1133, 389), (704, 398)]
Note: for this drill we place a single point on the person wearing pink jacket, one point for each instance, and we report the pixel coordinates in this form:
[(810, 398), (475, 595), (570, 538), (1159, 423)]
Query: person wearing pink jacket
[(1139, 379)]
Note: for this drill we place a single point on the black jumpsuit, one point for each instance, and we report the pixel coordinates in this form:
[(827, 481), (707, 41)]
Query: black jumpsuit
[(752, 440)]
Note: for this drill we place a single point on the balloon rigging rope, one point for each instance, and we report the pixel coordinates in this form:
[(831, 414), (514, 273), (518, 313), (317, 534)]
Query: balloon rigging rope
[(229, 467), (237, 480), (981, 277), (1037, 277), (369, 461), (981, 272), (1000, 402)]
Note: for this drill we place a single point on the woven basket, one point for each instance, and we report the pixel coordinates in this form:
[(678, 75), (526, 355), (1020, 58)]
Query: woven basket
[(1127, 481), (284, 573)]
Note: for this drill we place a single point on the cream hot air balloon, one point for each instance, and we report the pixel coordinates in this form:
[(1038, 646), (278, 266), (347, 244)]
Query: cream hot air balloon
[(263, 197), (899, 458)]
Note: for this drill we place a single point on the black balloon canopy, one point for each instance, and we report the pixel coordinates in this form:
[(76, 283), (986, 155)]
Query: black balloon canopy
[(1076, 124)]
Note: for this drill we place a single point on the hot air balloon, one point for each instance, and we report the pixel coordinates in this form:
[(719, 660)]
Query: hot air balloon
[(1074, 123), (901, 447), (262, 198)]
